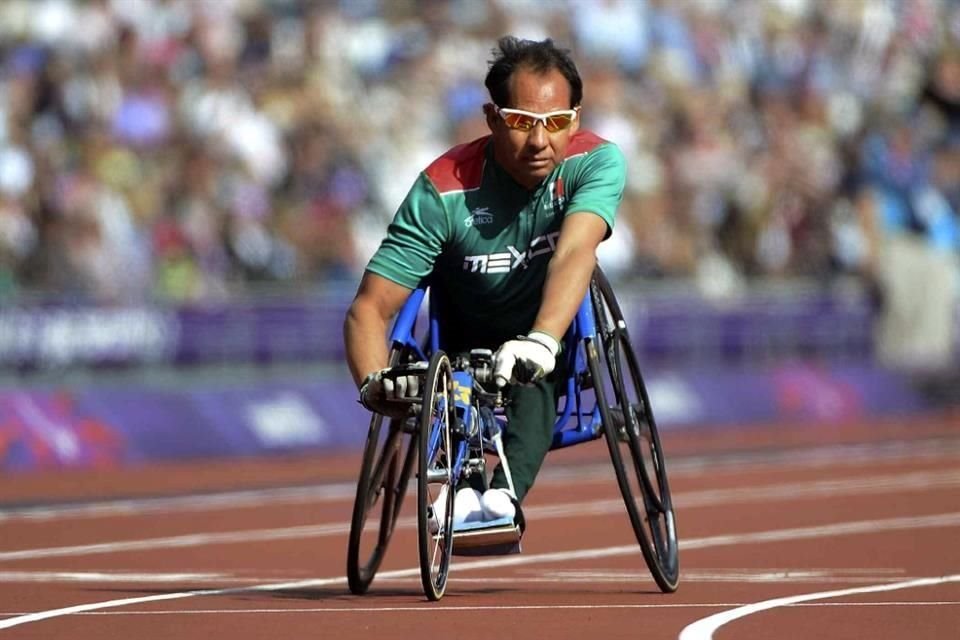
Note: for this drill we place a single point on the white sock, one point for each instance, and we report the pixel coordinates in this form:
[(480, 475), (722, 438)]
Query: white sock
[(466, 506), (497, 504)]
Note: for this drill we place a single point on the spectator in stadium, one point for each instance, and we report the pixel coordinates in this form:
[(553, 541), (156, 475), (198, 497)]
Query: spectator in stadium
[(506, 229), (914, 238), (243, 143)]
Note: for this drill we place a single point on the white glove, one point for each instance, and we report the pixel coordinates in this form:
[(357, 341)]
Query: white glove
[(525, 359), (390, 396)]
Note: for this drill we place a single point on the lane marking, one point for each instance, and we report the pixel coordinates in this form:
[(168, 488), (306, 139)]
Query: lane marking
[(182, 541), (178, 504), (704, 628), (425, 607), (434, 608), (821, 531), (736, 576), (919, 481), (840, 455), (895, 603), (589, 576), (122, 577), (845, 455), (848, 528)]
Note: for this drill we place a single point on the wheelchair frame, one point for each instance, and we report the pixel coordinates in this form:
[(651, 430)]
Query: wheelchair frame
[(600, 359)]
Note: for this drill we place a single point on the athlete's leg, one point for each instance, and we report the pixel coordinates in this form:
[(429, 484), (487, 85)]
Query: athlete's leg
[(531, 415)]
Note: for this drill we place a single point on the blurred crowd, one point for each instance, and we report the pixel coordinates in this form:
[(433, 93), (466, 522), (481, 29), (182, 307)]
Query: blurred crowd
[(191, 150)]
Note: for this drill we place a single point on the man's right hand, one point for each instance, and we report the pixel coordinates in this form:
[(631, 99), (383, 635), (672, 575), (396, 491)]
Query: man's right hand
[(390, 396)]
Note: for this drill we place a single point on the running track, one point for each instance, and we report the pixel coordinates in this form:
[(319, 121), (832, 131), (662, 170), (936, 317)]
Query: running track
[(841, 531)]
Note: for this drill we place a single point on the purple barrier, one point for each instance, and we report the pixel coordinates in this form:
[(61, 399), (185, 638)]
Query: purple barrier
[(105, 427), (263, 332), (673, 330), (50, 337), (794, 392), (681, 330), (266, 332)]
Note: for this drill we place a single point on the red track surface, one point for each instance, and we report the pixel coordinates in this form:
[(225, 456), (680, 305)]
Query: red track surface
[(762, 514)]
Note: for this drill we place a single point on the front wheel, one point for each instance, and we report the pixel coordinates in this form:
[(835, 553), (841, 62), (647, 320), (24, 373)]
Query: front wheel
[(388, 458), (435, 481)]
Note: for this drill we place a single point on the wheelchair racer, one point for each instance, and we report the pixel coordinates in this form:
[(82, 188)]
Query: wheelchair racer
[(506, 228)]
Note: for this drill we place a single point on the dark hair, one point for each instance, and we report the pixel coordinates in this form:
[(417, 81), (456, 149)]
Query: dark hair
[(538, 56)]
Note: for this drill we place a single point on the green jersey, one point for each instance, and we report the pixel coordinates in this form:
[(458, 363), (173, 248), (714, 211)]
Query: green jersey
[(484, 241)]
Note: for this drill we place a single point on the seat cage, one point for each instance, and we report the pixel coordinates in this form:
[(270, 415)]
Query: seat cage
[(578, 416)]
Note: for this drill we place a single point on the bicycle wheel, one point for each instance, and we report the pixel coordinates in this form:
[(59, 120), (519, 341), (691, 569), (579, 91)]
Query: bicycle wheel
[(632, 438), (435, 477), (384, 474)]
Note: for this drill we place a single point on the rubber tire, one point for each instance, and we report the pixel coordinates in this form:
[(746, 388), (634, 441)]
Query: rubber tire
[(437, 416), (384, 475)]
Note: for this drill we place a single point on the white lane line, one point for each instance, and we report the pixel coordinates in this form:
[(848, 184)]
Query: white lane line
[(846, 455), (893, 603), (847, 528), (425, 607), (920, 481), (590, 576), (837, 529), (122, 577), (179, 504), (595, 577), (638, 578), (179, 542), (704, 628), (895, 483), (735, 576), (752, 574), (435, 608), (917, 481)]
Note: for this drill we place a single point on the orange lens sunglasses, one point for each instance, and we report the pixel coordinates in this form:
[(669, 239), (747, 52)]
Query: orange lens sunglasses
[(526, 120)]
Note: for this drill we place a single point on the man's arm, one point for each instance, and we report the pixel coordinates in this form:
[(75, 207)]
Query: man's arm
[(569, 272), (530, 357), (365, 329)]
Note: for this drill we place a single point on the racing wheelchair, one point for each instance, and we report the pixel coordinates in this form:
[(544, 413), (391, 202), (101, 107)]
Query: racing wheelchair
[(458, 419)]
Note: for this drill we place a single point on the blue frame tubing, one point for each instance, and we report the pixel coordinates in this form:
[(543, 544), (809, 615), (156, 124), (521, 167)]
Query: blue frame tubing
[(588, 424)]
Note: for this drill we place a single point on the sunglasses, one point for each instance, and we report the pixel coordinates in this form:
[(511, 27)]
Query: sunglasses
[(527, 120)]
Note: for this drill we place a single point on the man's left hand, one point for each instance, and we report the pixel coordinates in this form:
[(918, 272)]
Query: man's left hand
[(525, 359)]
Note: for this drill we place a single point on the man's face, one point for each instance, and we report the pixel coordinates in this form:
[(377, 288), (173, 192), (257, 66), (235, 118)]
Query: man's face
[(529, 156)]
